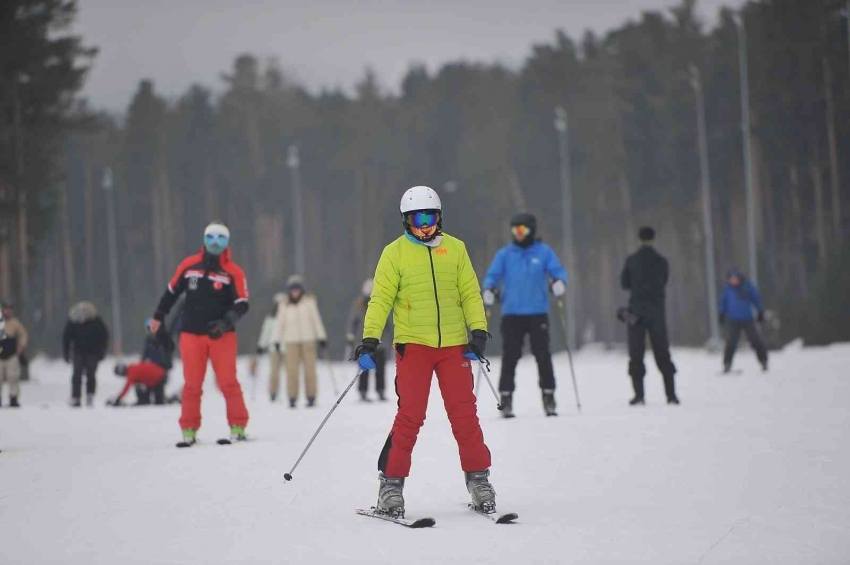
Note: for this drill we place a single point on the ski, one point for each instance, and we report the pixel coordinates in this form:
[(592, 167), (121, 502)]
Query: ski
[(182, 444), (731, 372), (228, 441), (507, 518), (416, 523)]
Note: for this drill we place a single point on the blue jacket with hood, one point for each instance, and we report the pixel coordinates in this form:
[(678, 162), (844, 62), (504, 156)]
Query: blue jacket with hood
[(737, 302), (524, 271)]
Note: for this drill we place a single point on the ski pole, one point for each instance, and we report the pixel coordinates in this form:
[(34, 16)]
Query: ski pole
[(487, 313), (485, 364), (569, 353), (288, 476), (331, 371)]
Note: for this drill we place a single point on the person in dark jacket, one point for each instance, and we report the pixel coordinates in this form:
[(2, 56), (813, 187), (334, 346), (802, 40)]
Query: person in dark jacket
[(737, 301), (524, 270), (148, 376), (84, 343), (355, 326), (645, 276)]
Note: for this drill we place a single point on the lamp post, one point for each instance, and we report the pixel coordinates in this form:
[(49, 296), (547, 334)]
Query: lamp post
[(705, 181), (562, 127), (294, 162), (115, 287), (746, 133)]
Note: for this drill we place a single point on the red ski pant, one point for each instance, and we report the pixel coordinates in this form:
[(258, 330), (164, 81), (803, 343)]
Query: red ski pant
[(196, 350), (144, 373), (415, 366)]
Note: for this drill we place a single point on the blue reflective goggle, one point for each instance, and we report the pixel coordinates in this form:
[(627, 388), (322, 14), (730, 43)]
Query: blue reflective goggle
[(423, 219), (217, 239)]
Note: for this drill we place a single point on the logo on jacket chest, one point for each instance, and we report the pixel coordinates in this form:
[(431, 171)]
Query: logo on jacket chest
[(218, 280)]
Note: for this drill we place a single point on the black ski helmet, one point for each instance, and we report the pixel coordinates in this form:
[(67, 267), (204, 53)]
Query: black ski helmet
[(525, 219)]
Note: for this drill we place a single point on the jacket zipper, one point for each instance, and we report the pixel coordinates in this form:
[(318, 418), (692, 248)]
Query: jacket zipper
[(437, 298)]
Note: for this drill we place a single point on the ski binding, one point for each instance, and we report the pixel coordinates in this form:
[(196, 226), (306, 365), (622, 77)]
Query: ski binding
[(415, 523), (507, 518)]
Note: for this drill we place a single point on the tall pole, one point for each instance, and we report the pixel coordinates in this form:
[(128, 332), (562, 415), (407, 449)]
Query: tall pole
[(705, 181), (115, 287), (847, 16), (562, 126), (294, 162), (746, 133)]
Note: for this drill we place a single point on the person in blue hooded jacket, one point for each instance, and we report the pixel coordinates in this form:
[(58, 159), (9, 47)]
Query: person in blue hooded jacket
[(523, 270), (738, 300)]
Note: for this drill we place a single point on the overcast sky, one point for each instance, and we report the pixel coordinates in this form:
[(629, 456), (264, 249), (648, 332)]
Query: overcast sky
[(325, 43)]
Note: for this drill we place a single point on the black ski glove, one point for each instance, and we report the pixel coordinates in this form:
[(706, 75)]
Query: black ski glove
[(323, 344), (218, 328), (760, 317), (369, 346), (477, 345)]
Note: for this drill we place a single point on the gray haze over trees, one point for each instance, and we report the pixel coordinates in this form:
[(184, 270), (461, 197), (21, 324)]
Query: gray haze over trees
[(481, 134)]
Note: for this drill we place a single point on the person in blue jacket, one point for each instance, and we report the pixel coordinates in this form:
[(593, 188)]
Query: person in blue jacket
[(523, 270), (737, 302)]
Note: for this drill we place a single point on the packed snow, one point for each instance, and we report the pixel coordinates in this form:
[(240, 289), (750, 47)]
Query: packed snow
[(750, 469)]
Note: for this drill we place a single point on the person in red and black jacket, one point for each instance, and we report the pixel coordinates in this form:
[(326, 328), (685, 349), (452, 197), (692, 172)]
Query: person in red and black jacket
[(216, 298)]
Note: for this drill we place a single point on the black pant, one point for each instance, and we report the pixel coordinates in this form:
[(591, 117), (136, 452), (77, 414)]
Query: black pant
[(380, 367), (145, 394), (84, 363), (656, 326), (753, 336), (514, 329)]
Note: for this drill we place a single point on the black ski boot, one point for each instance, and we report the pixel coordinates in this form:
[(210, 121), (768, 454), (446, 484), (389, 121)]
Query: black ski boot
[(482, 492), (549, 402), (75, 402), (381, 396), (637, 401), (764, 366), (292, 402), (508, 405), (364, 397), (311, 402), (273, 396), (673, 400), (390, 496)]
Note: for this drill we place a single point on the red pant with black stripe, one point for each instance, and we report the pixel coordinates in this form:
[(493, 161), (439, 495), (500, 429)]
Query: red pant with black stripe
[(415, 366), (196, 350)]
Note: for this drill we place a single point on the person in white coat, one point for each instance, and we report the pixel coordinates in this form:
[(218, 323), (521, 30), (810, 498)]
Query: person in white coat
[(299, 329), (266, 344)]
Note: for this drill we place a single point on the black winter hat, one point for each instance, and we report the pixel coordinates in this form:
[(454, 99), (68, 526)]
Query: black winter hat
[(524, 219), (646, 233)]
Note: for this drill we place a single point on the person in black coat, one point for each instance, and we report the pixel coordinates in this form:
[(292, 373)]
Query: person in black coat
[(645, 276), (84, 343)]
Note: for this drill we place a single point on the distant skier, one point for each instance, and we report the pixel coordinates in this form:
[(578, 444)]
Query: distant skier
[(355, 326), (525, 268), (84, 342), (12, 347), (299, 329), (425, 278), (150, 373), (737, 302), (645, 275), (216, 298), (266, 344)]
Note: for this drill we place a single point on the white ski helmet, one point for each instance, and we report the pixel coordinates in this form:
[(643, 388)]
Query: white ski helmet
[(420, 198)]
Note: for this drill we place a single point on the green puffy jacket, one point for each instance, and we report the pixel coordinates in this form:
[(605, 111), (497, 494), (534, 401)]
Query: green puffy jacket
[(432, 291)]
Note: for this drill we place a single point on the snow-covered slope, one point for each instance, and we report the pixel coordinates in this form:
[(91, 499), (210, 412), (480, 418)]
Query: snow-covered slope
[(750, 469)]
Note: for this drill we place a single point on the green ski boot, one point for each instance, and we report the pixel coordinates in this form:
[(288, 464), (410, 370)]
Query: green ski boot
[(189, 438), (237, 433)]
